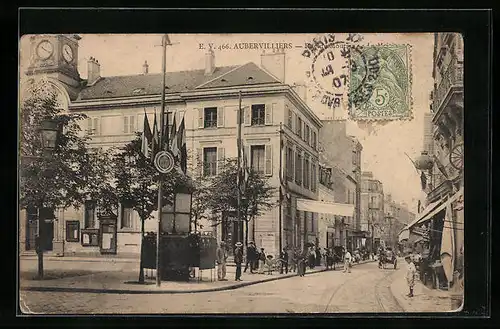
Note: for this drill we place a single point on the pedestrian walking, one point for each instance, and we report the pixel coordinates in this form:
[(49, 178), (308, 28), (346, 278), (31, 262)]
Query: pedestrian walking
[(284, 261), (262, 261), (238, 259), (318, 256), (251, 256), (410, 275), (221, 261), (301, 262), (292, 260), (328, 259), (347, 261), (311, 260)]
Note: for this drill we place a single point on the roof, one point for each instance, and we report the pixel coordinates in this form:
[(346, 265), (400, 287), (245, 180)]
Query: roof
[(176, 82)]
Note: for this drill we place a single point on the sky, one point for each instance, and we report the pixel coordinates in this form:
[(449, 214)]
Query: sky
[(385, 145)]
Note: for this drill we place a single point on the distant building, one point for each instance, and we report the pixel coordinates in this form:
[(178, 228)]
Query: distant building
[(372, 208), (396, 217), (342, 153), (336, 186)]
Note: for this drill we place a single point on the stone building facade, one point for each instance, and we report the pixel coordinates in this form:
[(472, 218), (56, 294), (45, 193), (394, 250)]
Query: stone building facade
[(208, 101)]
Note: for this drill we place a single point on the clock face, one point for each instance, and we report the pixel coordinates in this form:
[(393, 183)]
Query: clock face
[(67, 53), (44, 49)]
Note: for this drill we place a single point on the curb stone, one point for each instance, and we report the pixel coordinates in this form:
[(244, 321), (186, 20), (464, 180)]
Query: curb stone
[(130, 291)]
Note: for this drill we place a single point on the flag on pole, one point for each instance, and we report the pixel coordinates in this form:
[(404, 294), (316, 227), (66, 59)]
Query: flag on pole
[(156, 141), (173, 139), (181, 145), (283, 182), (146, 136), (166, 124), (244, 170)]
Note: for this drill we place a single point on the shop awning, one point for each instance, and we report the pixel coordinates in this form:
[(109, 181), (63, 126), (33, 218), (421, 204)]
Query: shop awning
[(423, 214), (325, 207), (441, 207), (436, 209)]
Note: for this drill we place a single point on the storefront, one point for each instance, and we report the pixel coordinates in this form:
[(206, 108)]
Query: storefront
[(437, 234), (332, 231)]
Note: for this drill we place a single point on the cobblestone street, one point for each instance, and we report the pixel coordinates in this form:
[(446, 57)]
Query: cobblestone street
[(365, 289)]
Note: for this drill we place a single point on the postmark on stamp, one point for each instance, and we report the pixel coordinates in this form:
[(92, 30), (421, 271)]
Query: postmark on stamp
[(329, 73), (380, 82)]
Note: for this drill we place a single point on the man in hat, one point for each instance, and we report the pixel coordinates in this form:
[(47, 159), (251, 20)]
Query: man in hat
[(347, 261), (262, 260), (221, 261), (251, 257), (410, 275), (238, 259)]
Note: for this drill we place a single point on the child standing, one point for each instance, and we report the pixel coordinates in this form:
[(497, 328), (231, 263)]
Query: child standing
[(410, 275)]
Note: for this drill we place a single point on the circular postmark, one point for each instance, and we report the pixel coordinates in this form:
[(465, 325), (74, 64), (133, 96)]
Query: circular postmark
[(330, 68)]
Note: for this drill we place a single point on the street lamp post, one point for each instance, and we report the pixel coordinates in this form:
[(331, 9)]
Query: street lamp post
[(49, 131)]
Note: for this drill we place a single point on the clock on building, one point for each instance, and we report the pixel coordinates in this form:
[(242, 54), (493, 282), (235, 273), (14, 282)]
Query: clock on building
[(67, 53), (44, 49), (55, 56)]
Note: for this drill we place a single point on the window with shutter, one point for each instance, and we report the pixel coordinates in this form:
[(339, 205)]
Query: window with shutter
[(258, 114), (306, 172), (220, 116), (289, 163), (90, 214), (289, 115), (89, 126), (201, 118), (199, 161), (210, 117), (258, 158), (298, 167), (299, 126), (247, 155), (132, 124), (269, 113), (96, 127), (269, 160), (220, 159), (246, 115), (209, 161), (125, 124), (126, 216)]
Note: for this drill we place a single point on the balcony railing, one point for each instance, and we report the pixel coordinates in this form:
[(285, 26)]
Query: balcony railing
[(453, 77)]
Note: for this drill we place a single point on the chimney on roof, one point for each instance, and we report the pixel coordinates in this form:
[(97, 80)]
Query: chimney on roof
[(209, 62), (301, 90), (145, 67), (274, 63), (94, 70)]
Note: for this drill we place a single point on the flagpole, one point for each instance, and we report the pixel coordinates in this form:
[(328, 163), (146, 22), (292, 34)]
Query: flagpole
[(160, 192), (238, 212), (281, 193)]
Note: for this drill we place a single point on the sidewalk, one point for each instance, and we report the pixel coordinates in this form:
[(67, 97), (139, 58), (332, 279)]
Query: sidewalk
[(84, 258), (424, 299), (125, 282)]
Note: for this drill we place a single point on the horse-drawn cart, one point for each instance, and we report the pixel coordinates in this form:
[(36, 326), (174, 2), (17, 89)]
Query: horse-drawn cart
[(387, 257)]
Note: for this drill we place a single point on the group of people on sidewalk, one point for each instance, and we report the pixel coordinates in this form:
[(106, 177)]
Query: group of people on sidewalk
[(255, 260), (293, 260)]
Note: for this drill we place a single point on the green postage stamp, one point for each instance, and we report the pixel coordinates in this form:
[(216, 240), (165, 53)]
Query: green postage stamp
[(380, 82)]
